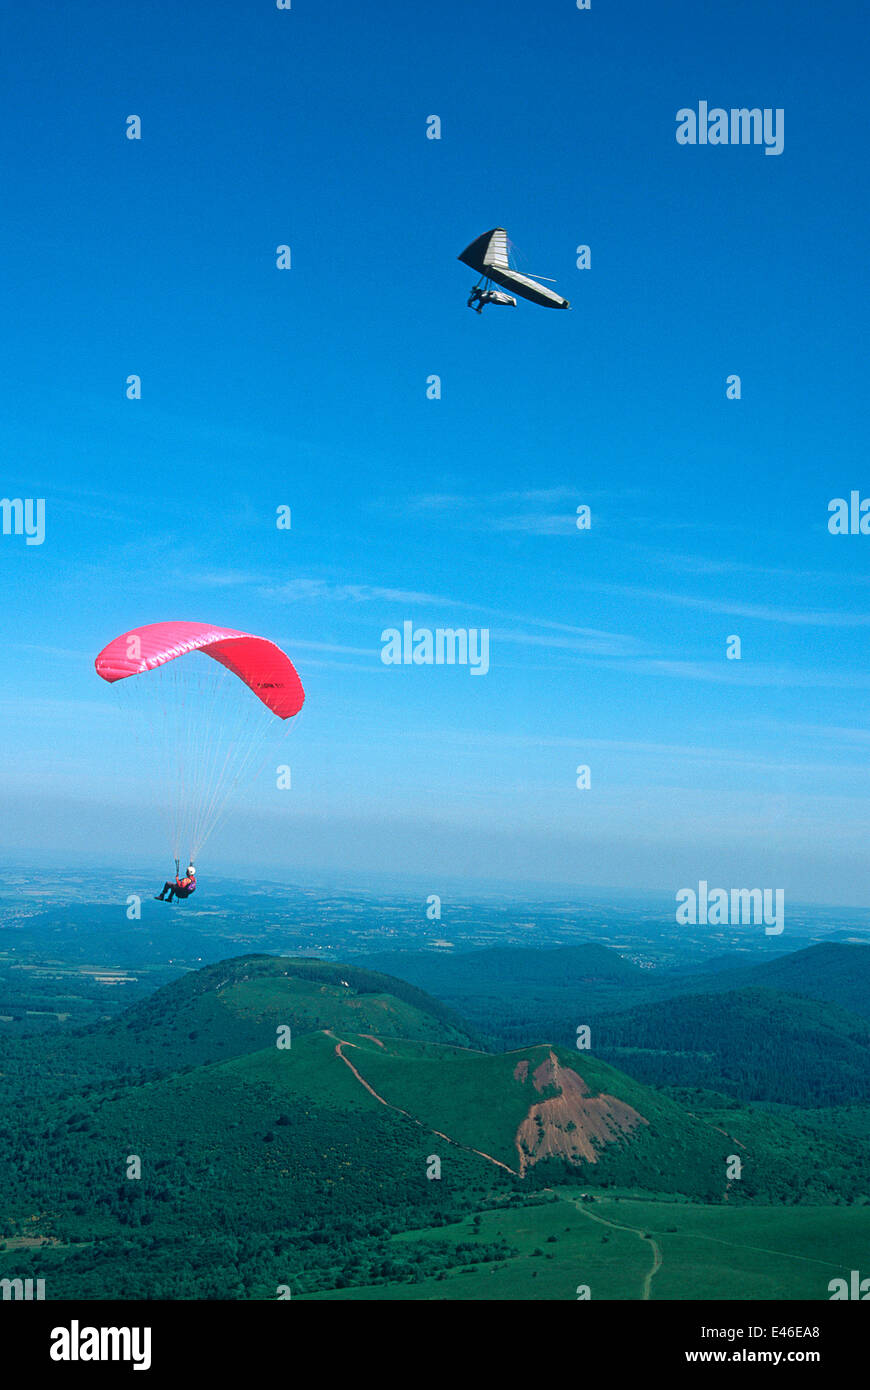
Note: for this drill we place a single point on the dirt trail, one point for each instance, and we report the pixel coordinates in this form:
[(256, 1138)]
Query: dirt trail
[(694, 1235), (342, 1042), (635, 1231)]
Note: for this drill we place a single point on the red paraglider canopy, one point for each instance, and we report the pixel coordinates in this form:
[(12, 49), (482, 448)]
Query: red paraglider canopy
[(262, 666)]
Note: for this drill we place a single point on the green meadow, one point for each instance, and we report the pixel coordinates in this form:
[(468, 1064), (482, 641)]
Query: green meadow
[(609, 1244)]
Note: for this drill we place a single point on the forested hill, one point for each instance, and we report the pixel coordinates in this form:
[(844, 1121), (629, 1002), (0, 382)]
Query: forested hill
[(309, 994), (226, 1010), (519, 995), (836, 971), (505, 965), (754, 1044)]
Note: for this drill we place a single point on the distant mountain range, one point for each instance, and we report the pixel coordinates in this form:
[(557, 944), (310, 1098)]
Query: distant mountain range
[(837, 972), (512, 996)]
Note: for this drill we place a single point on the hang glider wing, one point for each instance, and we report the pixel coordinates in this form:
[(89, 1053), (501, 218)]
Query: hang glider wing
[(487, 251), (488, 255)]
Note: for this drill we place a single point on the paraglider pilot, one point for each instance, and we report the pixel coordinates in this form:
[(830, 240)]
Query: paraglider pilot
[(181, 888)]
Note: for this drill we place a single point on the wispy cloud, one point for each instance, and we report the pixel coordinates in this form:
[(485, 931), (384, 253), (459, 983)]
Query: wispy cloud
[(66, 653), (498, 511), (584, 642), (335, 647), (429, 502), (682, 563), (296, 590), (227, 579), (543, 495), (592, 643), (316, 589), (305, 588), (536, 523), (738, 608), (833, 732), (745, 673)]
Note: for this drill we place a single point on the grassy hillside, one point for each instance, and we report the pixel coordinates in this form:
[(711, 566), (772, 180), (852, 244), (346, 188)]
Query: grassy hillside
[(551, 1246), (223, 1011), (630, 1249), (236, 1005), (312, 1166), (483, 1099)]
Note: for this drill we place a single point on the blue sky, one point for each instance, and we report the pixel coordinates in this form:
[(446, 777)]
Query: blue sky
[(307, 388)]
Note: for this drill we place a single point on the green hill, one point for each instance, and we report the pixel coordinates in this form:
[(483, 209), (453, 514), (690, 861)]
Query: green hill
[(756, 1044), (506, 965), (835, 971), (221, 1011), (311, 1166), (235, 1007), (516, 995), (542, 1105)]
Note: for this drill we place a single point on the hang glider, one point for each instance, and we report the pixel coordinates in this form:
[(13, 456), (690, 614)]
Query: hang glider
[(488, 255)]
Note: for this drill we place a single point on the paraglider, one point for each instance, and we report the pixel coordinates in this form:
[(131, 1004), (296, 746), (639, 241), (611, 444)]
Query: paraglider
[(207, 703), (488, 255), (181, 888)]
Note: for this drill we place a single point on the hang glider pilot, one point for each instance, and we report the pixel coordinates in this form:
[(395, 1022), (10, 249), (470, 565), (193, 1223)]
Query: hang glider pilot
[(479, 297)]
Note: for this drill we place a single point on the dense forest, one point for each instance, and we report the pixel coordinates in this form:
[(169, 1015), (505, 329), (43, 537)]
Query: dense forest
[(755, 1043)]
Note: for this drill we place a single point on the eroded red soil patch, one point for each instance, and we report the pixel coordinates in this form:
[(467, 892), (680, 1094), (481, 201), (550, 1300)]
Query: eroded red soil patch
[(571, 1124)]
